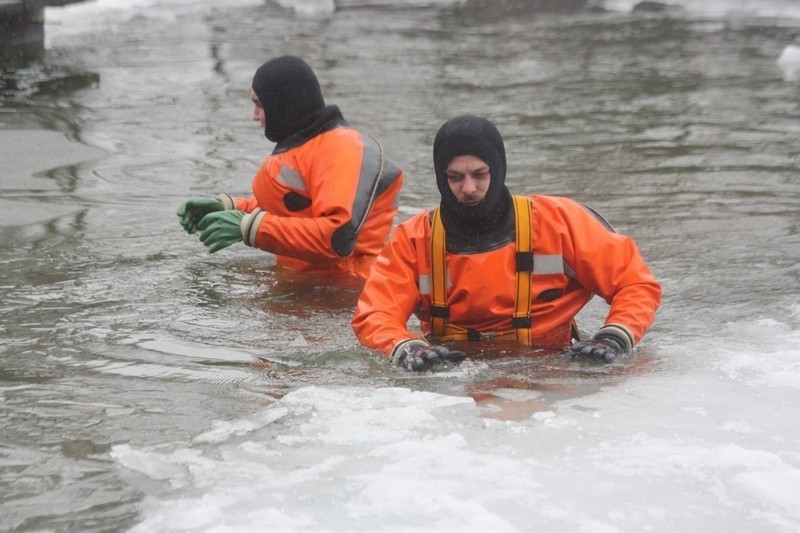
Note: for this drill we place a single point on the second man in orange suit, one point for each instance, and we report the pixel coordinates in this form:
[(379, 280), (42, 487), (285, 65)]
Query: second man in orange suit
[(488, 265), (323, 200)]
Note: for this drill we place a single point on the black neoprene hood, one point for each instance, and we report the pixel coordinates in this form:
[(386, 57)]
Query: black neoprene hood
[(291, 96), (471, 135)]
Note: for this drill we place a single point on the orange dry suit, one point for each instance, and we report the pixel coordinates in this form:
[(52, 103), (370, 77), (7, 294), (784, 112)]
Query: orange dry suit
[(575, 255), (327, 204), (324, 200)]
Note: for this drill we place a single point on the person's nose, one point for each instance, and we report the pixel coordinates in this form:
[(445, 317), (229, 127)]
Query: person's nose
[(470, 186), (256, 116)]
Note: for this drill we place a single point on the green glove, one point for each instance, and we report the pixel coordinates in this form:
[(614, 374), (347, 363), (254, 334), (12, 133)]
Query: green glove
[(192, 211), (221, 229)]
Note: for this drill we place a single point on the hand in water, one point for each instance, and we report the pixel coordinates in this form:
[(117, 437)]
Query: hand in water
[(605, 349), (421, 358)]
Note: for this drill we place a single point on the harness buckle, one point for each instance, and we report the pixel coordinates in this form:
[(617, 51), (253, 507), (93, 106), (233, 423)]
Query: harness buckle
[(479, 336), (487, 335), (473, 335)]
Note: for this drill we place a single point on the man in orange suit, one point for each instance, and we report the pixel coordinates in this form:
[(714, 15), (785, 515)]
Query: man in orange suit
[(487, 265), (323, 200)]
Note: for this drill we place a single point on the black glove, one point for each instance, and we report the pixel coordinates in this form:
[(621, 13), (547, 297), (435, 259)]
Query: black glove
[(421, 358), (603, 348)]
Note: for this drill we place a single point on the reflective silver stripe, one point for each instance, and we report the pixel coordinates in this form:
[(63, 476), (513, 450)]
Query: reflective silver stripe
[(371, 172), (424, 284), (548, 264), (542, 264), (291, 178), (377, 174)]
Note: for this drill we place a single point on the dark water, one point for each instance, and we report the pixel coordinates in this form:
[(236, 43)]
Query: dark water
[(125, 345)]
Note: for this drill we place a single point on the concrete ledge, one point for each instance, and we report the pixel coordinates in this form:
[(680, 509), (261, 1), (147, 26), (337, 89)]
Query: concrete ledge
[(18, 6), (22, 21)]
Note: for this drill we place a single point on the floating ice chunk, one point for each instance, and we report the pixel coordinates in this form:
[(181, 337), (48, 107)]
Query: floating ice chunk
[(309, 7), (223, 430), (299, 342), (155, 466), (778, 486), (789, 63), (517, 395), (361, 416)]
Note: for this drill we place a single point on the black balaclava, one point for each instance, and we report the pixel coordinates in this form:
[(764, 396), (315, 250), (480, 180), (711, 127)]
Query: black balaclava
[(290, 94), (485, 225)]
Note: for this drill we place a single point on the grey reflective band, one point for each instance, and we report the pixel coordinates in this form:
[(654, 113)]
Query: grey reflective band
[(249, 226), (376, 176), (290, 177), (424, 284), (227, 201), (548, 264), (542, 265)]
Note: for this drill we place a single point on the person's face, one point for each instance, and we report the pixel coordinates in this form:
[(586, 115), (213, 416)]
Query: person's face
[(258, 111), (468, 177)]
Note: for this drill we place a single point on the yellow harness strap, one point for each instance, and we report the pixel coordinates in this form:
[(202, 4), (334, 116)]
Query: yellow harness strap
[(521, 320), (522, 305), (439, 311)]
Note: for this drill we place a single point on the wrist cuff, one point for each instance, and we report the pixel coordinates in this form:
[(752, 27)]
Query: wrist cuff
[(619, 332), (227, 201), (401, 348), (250, 224)]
